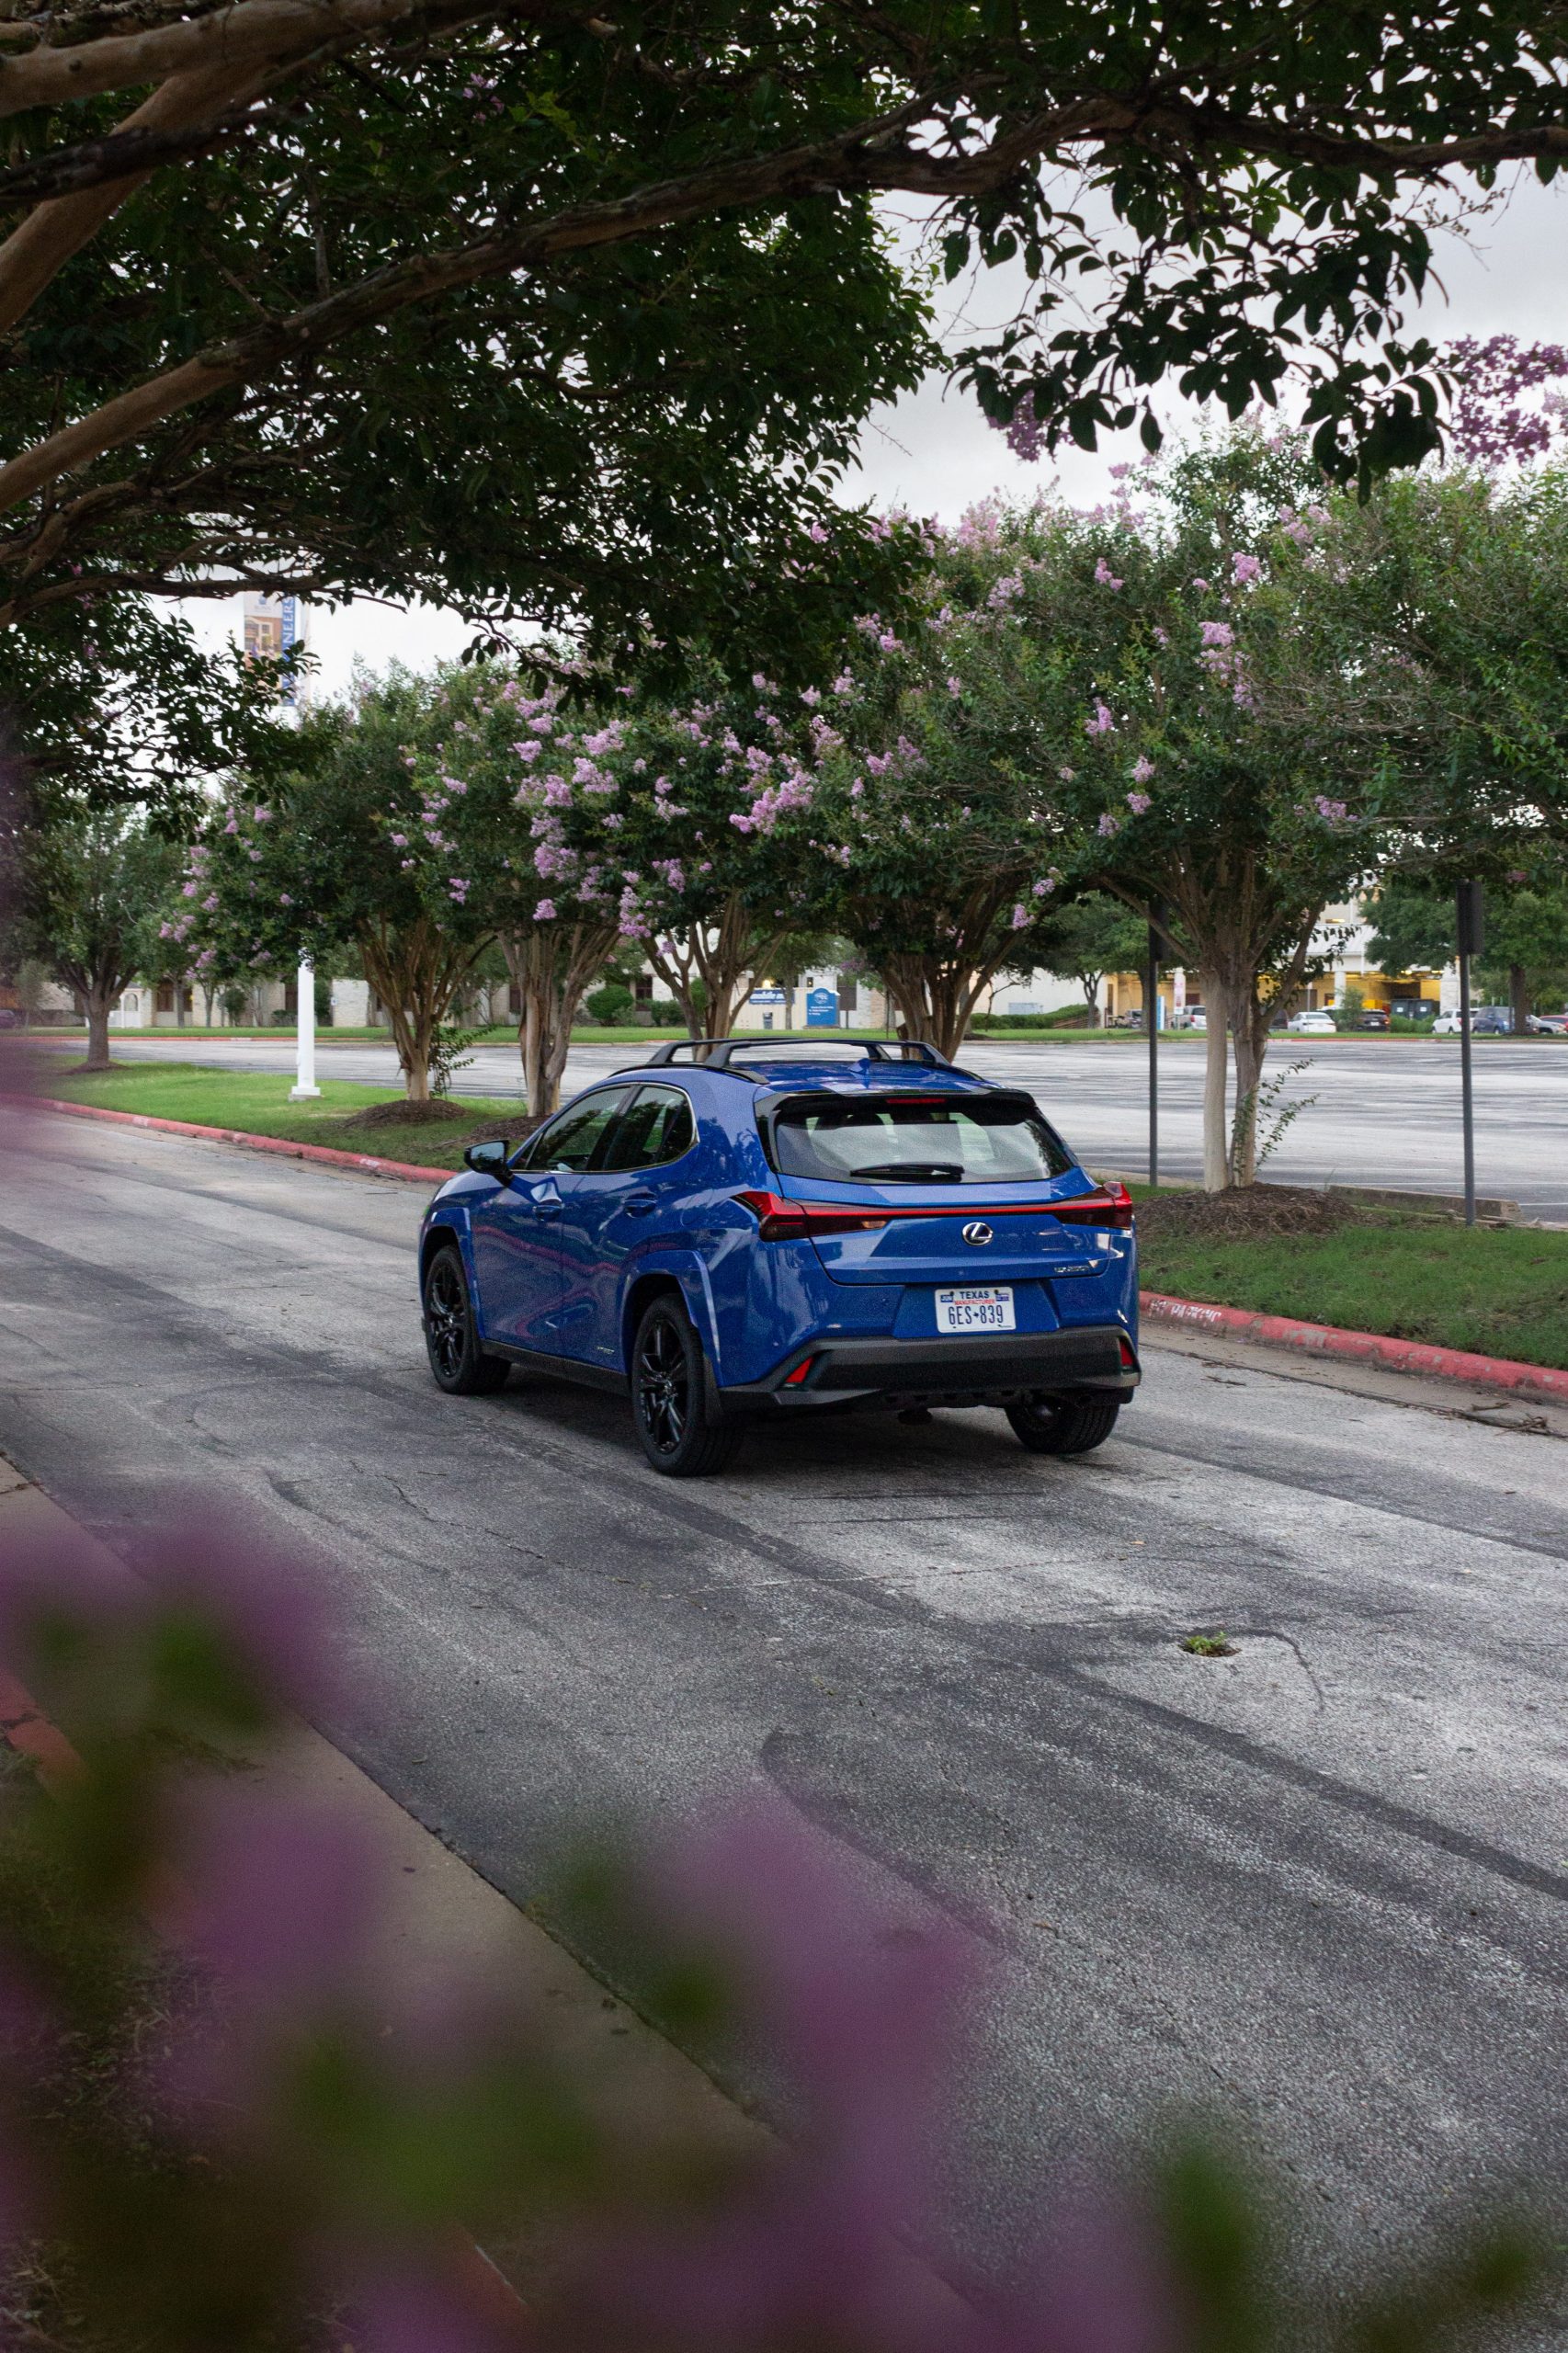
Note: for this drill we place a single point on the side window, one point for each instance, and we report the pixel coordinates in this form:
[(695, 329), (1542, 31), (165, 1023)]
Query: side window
[(569, 1142), (659, 1127)]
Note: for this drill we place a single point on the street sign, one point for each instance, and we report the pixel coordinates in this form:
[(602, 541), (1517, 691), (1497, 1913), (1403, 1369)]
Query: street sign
[(822, 1008)]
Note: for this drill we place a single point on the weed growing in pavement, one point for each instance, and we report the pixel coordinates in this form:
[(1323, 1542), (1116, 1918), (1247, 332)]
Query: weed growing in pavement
[(1215, 1645)]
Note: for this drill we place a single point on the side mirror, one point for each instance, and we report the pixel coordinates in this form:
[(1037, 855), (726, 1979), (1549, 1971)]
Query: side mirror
[(489, 1159)]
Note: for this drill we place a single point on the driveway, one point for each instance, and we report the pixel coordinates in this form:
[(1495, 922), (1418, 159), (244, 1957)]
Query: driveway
[(1317, 1888)]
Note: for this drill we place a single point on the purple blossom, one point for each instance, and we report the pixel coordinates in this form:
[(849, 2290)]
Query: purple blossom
[(1218, 634), (1137, 802), (1202, 586), (1142, 769), (1109, 824), (1102, 723), (1020, 917), (545, 910), (1105, 576), (1245, 568)]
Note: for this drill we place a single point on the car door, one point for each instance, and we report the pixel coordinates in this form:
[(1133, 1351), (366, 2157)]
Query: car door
[(630, 1194), (516, 1230)]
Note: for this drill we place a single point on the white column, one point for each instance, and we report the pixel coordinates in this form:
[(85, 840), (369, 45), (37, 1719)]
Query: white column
[(304, 1085)]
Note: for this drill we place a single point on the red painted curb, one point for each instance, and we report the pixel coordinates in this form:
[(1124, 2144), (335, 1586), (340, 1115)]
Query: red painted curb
[(1368, 1348), (366, 1165)]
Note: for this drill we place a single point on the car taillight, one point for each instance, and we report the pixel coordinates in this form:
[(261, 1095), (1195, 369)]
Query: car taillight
[(1107, 1205), (781, 1221)]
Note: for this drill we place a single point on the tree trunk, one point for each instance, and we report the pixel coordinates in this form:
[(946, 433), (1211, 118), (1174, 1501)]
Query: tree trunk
[(723, 955), (1216, 1137), (100, 1003), (179, 1004), (416, 974), (551, 965), (1519, 1000)]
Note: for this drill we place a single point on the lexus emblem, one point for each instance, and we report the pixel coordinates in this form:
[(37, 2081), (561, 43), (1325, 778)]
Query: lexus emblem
[(977, 1232)]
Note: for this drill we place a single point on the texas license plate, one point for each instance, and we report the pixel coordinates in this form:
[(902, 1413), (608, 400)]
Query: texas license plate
[(978, 1309)]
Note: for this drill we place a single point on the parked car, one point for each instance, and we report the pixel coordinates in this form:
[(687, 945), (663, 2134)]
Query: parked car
[(1547, 1025), (1485, 1021), (754, 1234), (1310, 1024), (1374, 1018), (1131, 1020)]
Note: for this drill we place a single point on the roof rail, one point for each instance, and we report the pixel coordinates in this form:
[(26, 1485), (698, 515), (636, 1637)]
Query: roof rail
[(717, 1051)]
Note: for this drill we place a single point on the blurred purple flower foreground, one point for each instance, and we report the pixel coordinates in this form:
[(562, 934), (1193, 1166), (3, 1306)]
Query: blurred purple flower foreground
[(224, 2130)]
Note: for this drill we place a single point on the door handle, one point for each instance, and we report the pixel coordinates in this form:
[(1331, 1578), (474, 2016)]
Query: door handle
[(545, 1204), (639, 1204)]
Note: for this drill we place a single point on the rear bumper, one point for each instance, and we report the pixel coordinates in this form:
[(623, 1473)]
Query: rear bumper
[(967, 1369)]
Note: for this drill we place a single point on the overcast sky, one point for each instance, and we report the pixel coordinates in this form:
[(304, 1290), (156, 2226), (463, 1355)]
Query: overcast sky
[(934, 453)]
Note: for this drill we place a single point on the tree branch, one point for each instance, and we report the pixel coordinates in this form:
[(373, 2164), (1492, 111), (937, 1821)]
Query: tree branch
[(244, 37), (875, 156)]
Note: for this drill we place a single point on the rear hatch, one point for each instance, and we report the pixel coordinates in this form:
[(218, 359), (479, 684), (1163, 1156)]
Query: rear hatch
[(941, 1190)]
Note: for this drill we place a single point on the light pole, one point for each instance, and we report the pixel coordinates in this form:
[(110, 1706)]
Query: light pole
[(304, 1087)]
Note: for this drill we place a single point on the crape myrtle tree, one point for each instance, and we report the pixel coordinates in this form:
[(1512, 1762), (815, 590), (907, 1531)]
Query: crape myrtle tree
[(1156, 621), (724, 873), (1434, 640), (521, 810), (343, 851), (510, 304), (93, 885), (935, 832)]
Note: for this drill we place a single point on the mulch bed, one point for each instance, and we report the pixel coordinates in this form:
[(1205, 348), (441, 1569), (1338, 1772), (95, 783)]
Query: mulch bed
[(1245, 1211)]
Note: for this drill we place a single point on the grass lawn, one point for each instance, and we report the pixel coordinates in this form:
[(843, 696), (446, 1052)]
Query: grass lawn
[(258, 1102), (1503, 1292)]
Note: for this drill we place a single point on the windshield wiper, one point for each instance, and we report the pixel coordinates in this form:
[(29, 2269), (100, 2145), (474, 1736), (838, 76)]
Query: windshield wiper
[(937, 1171)]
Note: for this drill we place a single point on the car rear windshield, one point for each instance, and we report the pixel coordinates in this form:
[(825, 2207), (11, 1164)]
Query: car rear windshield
[(918, 1140)]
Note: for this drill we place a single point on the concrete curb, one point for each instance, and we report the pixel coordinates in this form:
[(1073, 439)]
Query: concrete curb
[(1364, 1348), (367, 1164), (1234, 1323)]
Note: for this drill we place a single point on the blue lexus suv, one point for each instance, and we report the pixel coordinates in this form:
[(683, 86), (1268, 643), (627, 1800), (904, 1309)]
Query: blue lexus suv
[(731, 1230)]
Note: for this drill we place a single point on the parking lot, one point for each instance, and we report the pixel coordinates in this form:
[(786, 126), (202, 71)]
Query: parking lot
[(1316, 1888), (1386, 1110)]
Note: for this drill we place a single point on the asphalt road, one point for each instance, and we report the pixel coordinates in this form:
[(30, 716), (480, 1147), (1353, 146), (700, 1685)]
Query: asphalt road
[(1387, 1110), (1317, 1888)]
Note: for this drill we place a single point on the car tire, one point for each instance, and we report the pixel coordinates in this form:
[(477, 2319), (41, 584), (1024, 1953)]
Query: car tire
[(458, 1363), (669, 1396), (1064, 1425)]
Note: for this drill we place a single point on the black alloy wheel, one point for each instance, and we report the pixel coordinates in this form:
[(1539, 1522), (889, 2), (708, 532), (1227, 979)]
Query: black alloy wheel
[(1064, 1425), (669, 1397), (458, 1362)]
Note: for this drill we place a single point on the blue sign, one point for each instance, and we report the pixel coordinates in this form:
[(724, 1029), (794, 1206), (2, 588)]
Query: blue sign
[(767, 996), (290, 633), (822, 1008)]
